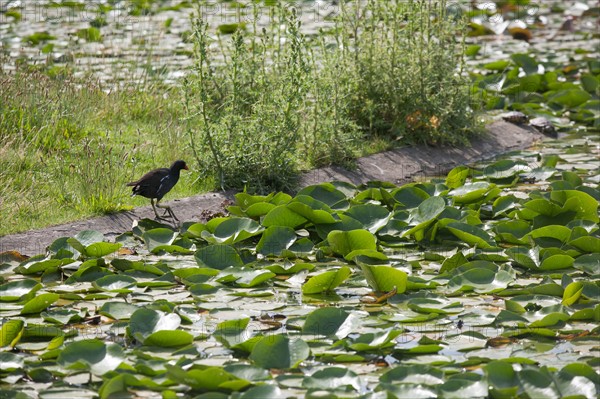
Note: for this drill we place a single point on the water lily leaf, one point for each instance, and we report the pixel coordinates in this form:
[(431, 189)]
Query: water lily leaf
[(540, 174), (471, 235), (513, 231), (11, 333), (290, 268), (326, 193), (409, 196), (470, 192), (218, 256), (14, 290), (115, 283), (558, 233), (91, 355), (436, 305), (569, 98), (100, 249), (39, 303), (503, 169), (118, 310), (528, 63), (457, 176), (275, 239), (384, 278), (585, 206), (557, 262), (481, 280), (414, 374), (572, 293), (209, 379), (169, 338), (263, 391), (62, 316), (11, 362), (313, 210), (36, 266), (244, 276), (232, 230), (279, 352), (459, 388), (588, 263), (158, 237), (346, 223), (283, 215), (332, 378), (232, 333), (588, 244), (453, 262), (326, 281), (330, 322), (499, 65), (526, 257), (89, 237), (424, 215), (504, 204), (144, 322), (344, 242), (373, 217), (374, 341), (555, 319), (255, 211), (502, 378)]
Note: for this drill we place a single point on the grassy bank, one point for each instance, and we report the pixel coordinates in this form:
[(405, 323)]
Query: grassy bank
[(259, 106)]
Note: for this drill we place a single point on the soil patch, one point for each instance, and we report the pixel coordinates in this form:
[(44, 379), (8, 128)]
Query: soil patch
[(397, 166)]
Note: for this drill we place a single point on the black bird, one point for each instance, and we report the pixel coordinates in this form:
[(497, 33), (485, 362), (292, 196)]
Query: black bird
[(156, 183)]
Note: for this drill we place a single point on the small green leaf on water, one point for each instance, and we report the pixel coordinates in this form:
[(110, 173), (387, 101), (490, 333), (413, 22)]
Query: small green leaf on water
[(384, 278), (100, 249), (457, 176), (528, 63), (328, 321), (14, 290), (169, 339), (279, 352), (344, 242), (11, 332), (218, 256), (158, 237), (472, 50), (572, 293), (39, 303), (91, 355), (115, 283), (326, 281)]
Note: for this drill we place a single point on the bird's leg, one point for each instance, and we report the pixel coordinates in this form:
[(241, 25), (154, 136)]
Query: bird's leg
[(154, 209), (167, 210)]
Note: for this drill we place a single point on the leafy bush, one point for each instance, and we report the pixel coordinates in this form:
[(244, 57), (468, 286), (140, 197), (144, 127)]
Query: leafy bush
[(406, 66), (275, 102)]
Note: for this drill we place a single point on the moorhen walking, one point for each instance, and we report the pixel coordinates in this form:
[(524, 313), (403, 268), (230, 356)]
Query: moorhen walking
[(156, 183)]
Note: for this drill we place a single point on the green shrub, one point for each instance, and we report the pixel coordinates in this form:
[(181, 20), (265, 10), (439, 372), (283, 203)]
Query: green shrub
[(405, 62), (250, 111), (271, 102)]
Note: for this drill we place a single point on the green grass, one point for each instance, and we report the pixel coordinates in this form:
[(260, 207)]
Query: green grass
[(279, 104), (67, 150)]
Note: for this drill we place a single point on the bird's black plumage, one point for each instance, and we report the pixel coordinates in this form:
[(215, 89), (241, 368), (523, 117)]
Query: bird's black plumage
[(156, 183)]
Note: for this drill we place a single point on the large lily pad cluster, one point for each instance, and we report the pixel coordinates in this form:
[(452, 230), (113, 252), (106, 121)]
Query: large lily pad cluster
[(485, 283)]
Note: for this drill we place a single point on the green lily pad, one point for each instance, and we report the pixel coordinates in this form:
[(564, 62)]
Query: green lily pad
[(326, 281), (91, 355), (279, 352), (39, 303)]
